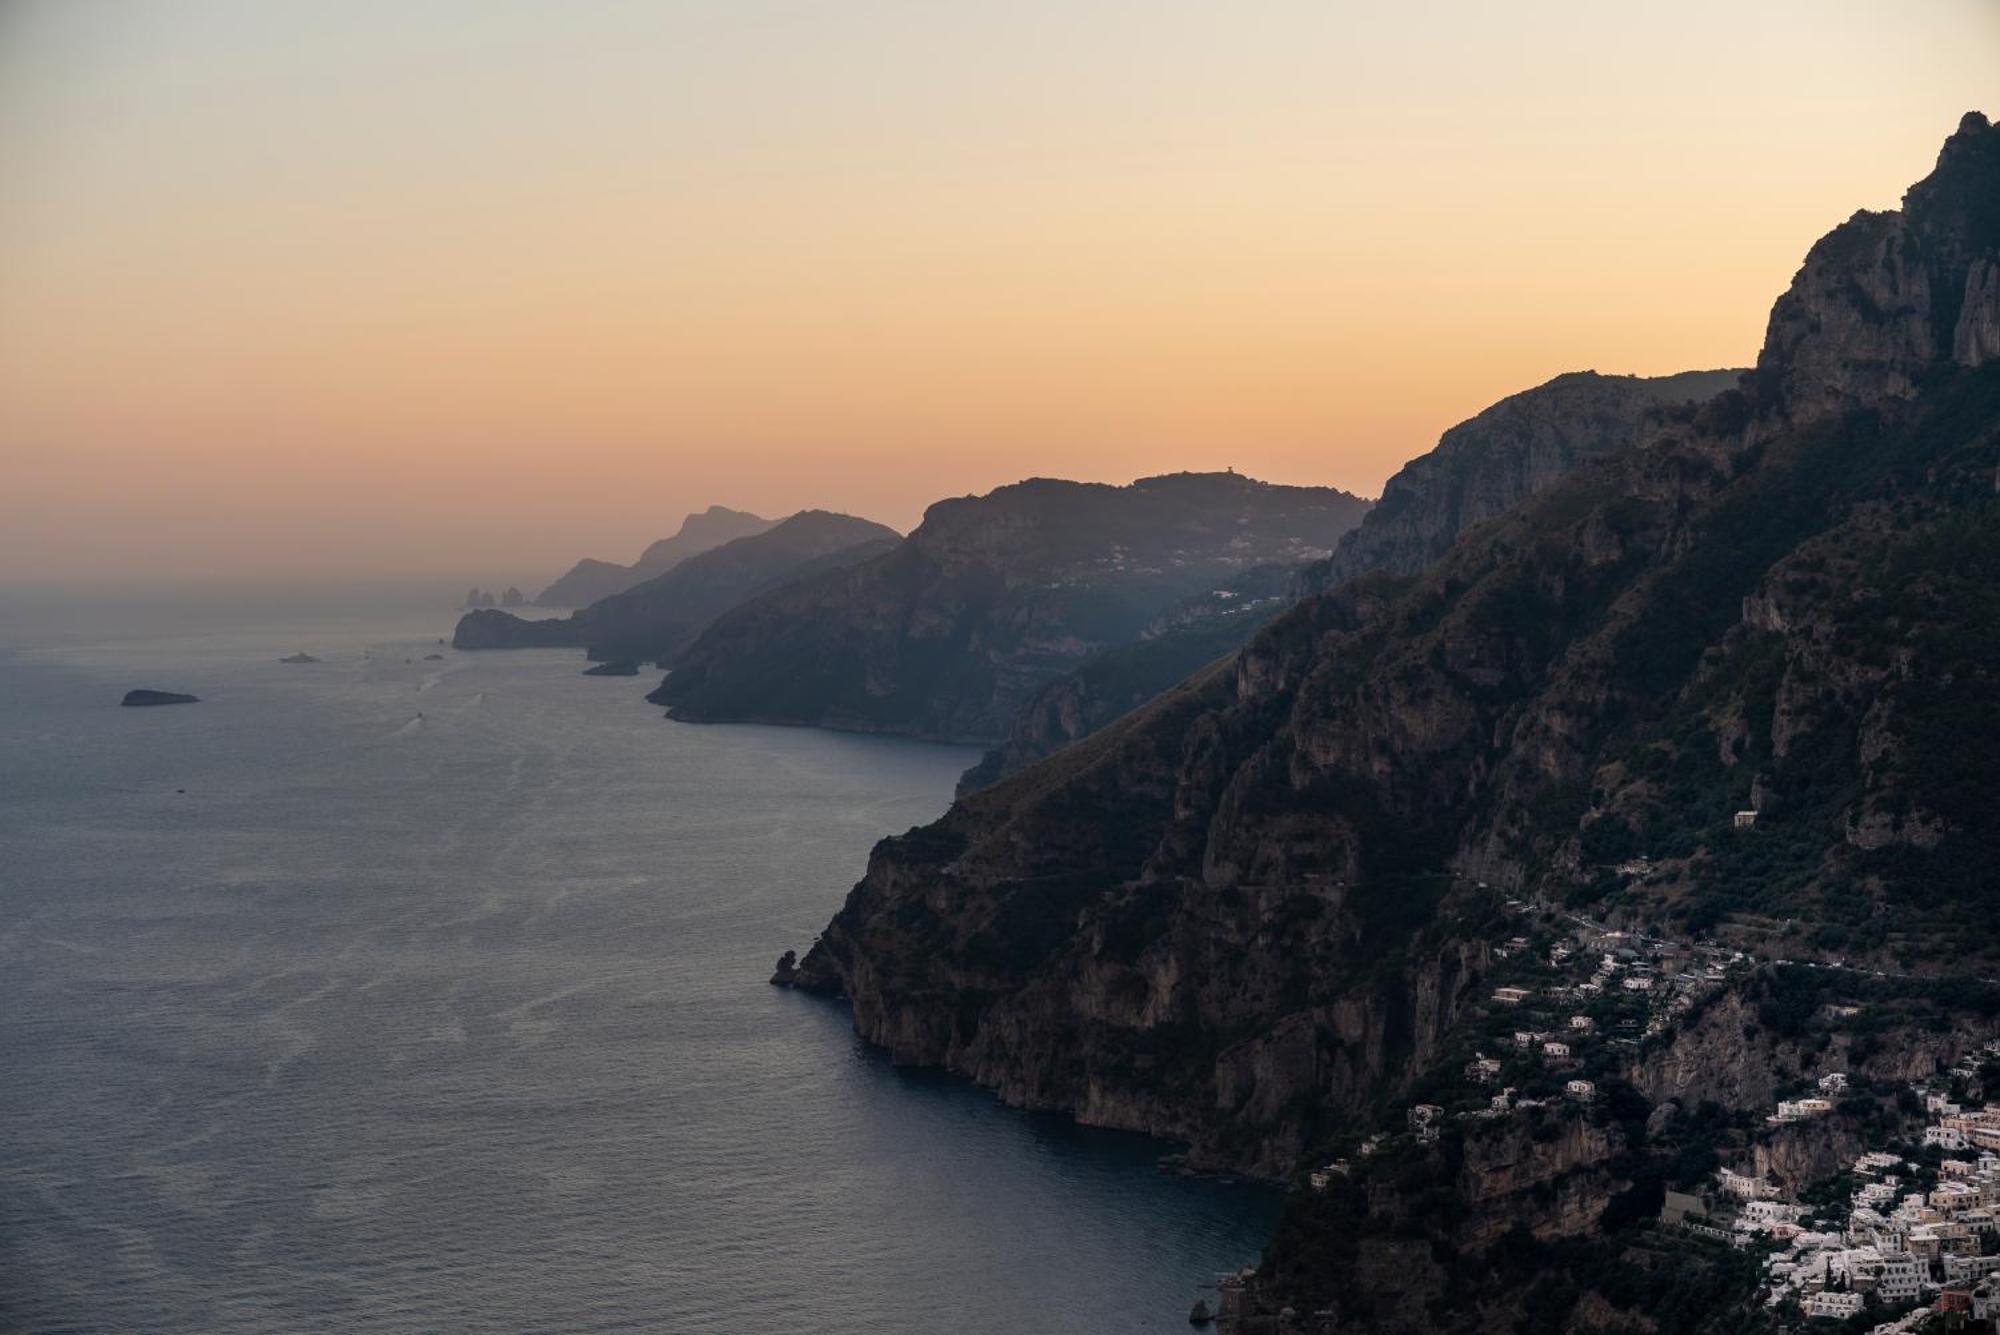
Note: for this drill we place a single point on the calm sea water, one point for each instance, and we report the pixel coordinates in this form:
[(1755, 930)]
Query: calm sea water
[(393, 994)]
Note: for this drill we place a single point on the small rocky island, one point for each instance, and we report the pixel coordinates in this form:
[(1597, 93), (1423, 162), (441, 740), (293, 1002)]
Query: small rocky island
[(137, 699), (300, 657)]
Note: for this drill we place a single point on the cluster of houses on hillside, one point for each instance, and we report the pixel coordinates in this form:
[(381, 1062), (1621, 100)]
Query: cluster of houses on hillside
[(1589, 987), (1920, 1242), (1638, 984), (1800, 1110), (1668, 977)]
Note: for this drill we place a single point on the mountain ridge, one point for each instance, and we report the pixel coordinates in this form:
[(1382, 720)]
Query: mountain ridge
[(591, 579), (1253, 914), (655, 618), (1478, 468), (988, 598)]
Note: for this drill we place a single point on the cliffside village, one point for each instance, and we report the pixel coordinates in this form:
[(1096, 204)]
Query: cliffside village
[(1920, 1236), (1597, 990), (1903, 1234)]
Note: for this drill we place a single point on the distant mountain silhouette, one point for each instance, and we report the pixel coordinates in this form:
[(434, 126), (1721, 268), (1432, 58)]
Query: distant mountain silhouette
[(654, 619), (589, 579), (992, 597)]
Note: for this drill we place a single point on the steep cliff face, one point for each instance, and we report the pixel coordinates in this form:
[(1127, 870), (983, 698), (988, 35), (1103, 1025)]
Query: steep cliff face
[(1254, 905), (992, 597), (1454, 1236), (589, 579), (655, 619), (1478, 469), (1885, 298), (1496, 460)]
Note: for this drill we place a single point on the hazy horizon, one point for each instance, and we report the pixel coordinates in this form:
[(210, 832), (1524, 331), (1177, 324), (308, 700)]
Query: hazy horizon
[(353, 291)]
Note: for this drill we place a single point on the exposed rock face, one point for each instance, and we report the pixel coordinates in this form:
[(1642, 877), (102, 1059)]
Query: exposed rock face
[(1400, 1251), (1885, 298), (992, 597), (144, 699), (1253, 905), (1478, 469), (1555, 1186), (589, 579), (1498, 459), (656, 619)]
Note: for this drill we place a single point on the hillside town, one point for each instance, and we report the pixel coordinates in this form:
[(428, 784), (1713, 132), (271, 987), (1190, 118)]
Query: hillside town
[(1910, 1232), (1908, 1235)]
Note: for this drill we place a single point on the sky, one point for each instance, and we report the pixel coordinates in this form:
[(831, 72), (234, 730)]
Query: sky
[(336, 288)]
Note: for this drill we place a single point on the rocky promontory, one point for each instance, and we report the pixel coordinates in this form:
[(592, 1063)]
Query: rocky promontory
[(655, 619), (991, 598)]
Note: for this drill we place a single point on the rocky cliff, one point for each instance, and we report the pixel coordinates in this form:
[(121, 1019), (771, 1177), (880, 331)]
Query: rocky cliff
[(1260, 904), (1492, 462), (1478, 469), (590, 579), (652, 621), (990, 598)]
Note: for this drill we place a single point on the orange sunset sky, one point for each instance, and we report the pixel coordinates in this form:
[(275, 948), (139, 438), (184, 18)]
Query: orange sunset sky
[(479, 287)]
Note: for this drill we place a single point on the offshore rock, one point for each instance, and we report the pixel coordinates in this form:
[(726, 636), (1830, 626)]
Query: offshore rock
[(145, 699)]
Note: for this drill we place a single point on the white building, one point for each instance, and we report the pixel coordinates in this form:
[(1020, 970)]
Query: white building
[(1556, 1051), (1322, 1177), (1748, 1188), (1832, 1306), (1580, 1089), (1766, 1212), (1899, 1277), (1986, 1300), (1966, 1269)]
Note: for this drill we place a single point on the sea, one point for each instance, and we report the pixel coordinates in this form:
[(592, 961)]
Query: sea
[(412, 990)]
